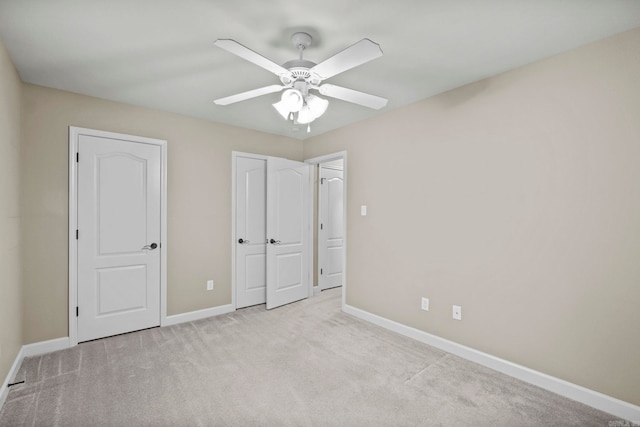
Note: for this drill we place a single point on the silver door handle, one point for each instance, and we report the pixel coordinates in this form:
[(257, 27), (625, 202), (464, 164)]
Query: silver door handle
[(243, 241), (275, 242), (151, 246)]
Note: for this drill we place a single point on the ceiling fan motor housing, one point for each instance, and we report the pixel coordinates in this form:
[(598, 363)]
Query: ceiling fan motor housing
[(299, 69)]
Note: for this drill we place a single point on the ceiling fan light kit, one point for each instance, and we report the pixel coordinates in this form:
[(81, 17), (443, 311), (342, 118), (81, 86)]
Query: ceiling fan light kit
[(299, 76), (315, 106), (291, 102)]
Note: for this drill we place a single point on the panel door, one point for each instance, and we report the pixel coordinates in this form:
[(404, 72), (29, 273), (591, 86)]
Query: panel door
[(288, 231), (119, 190), (251, 228), (331, 233)]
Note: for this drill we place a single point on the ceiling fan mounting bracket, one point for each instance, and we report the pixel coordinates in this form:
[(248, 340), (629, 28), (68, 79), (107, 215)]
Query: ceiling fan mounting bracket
[(301, 40)]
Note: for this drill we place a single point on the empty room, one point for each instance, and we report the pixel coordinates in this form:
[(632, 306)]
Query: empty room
[(340, 213)]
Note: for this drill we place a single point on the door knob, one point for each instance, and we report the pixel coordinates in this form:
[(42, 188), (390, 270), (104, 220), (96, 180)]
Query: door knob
[(242, 241), (274, 242), (151, 246)]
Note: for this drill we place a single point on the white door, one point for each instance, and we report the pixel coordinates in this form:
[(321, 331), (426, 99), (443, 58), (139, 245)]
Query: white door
[(119, 201), (251, 228), (331, 232), (288, 231)]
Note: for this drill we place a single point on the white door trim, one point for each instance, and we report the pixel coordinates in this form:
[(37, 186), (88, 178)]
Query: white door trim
[(321, 159), (74, 134)]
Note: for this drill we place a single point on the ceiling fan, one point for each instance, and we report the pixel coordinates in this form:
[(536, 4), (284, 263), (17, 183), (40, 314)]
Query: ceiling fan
[(298, 77)]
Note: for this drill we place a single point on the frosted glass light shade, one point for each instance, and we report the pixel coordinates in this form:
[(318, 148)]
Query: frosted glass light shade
[(317, 106), (282, 109), (304, 115), (290, 102), (312, 109), (292, 99)]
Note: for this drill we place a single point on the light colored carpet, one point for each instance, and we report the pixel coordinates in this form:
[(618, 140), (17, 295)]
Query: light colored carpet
[(305, 364)]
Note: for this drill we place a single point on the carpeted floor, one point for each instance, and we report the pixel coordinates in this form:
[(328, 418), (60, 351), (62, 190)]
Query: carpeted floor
[(305, 364)]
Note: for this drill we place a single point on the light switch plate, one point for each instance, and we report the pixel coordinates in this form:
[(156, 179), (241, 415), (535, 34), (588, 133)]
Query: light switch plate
[(363, 210)]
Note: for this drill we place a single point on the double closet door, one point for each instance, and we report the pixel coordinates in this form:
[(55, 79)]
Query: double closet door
[(272, 230)]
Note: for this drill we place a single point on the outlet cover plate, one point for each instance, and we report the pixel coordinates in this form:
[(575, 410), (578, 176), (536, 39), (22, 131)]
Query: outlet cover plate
[(425, 304), (457, 312), (209, 285)]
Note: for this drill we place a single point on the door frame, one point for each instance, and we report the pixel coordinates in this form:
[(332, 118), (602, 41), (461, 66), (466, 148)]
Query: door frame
[(315, 161), (74, 134)]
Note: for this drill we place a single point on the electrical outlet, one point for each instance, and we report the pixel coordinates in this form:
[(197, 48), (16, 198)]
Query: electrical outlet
[(209, 285), (425, 304), (457, 312)]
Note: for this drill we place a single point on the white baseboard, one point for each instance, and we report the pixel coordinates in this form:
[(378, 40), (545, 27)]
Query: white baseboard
[(29, 350), (197, 315), (611, 405), (11, 376), (43, 347)]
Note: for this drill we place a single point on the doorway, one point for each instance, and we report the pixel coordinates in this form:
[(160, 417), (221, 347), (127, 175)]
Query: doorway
[(330, 222), (117, 233), (330, 229)]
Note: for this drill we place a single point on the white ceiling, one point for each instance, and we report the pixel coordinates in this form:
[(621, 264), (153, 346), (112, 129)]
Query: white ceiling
[(160, 53)]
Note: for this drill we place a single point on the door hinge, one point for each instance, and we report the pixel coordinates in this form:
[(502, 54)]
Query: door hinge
[(320, 271), (77, 234), (321, 226), (322, 180), (78, 157), (77, 311)]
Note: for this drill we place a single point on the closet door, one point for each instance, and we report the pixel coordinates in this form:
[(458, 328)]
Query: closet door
[(288, 231), (251, 229), (272, 230)]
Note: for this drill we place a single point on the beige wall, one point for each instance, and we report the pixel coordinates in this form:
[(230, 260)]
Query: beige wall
[(199, 196), (518, 198), (10, 290)]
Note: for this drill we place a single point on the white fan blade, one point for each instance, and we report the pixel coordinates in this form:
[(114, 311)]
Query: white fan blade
[(363, 51), (251, 56), (354, 96), (248, 94)]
